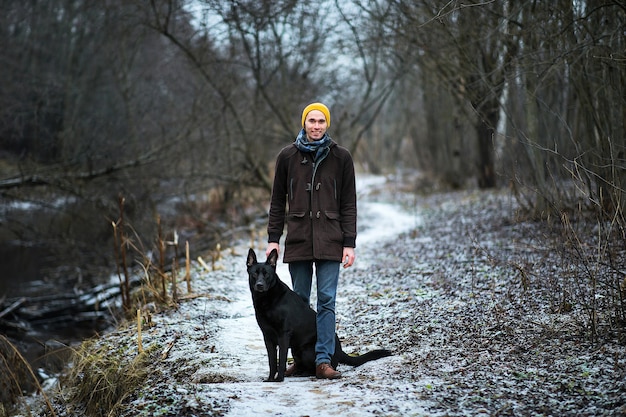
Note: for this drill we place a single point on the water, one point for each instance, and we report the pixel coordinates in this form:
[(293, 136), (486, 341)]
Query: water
[(33, 271), (25, 271)]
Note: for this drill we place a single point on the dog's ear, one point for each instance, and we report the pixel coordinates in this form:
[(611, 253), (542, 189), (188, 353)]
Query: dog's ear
[(251, 258), (273, 258)]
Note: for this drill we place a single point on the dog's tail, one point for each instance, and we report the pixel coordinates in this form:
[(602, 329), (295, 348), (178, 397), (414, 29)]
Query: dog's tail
[(361, 359)]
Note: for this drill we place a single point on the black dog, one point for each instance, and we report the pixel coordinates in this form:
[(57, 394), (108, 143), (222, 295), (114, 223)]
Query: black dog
[(288, 322)]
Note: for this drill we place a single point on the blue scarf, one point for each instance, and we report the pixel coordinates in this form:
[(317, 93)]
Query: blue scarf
[(319, 148)]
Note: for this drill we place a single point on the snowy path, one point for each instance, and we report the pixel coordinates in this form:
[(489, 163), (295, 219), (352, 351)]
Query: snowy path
[(241, 338)]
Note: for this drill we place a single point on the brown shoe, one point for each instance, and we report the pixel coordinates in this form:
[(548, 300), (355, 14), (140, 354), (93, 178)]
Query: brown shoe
[(291, 370), (325, 371)]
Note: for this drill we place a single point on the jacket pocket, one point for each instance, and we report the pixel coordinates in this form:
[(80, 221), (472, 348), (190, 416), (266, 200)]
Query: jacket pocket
[(298, 227), (332, 228)]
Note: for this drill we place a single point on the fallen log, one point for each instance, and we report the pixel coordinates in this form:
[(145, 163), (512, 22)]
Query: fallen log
[(19, 327), (12, 307), (95, 304)]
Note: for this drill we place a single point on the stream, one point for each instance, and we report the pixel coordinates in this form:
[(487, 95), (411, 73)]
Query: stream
[(30, 272)]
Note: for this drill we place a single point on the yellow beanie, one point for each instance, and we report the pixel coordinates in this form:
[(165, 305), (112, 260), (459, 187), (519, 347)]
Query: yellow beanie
[(316, 106)]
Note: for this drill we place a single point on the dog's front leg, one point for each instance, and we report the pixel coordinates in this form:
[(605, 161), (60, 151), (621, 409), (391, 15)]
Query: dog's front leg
[(283, 346), (271, 356)]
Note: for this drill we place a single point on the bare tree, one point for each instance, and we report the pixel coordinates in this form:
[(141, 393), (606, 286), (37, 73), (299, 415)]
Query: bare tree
[(465, 48), (286, 55), (564, 106), (98, 106), (598, 74)]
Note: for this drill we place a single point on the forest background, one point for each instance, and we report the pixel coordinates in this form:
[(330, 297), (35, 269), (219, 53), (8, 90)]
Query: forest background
[(171, 113)]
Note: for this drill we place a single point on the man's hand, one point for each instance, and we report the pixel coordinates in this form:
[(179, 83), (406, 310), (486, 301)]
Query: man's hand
[(348, 257), (270, 246)]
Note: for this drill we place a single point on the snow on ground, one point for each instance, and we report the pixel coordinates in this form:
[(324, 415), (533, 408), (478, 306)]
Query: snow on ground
[(217, 362), (240, 353), (240, 338), (465, 299)]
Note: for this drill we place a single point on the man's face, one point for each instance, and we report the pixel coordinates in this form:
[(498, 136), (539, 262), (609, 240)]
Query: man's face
[(315, 125)]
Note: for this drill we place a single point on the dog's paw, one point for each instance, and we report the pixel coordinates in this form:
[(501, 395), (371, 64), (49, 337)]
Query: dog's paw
[(274, 380)]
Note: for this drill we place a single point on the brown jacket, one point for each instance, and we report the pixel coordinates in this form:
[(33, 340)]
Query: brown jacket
[(321, 218)]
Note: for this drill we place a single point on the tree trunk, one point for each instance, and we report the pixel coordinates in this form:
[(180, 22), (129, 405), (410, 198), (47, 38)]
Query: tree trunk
[(485, 137)]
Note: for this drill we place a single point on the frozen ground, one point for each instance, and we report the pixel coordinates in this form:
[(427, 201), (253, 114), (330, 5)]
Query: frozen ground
[(239, 352), (240, 338), (462, 295)]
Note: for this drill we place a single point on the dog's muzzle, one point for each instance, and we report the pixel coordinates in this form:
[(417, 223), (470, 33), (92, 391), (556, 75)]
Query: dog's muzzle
[(260, 286)]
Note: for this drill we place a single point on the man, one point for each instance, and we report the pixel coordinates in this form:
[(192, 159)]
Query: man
[(314, 177)]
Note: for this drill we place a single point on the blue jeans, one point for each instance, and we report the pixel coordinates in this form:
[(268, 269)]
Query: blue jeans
[(327, 273)]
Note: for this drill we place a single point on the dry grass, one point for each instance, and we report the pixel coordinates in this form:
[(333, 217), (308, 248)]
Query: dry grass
[(10, 368), (16, 376), (102, 376)]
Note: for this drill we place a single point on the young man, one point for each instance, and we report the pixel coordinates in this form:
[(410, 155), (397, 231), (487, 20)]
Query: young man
[(314, 178)]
